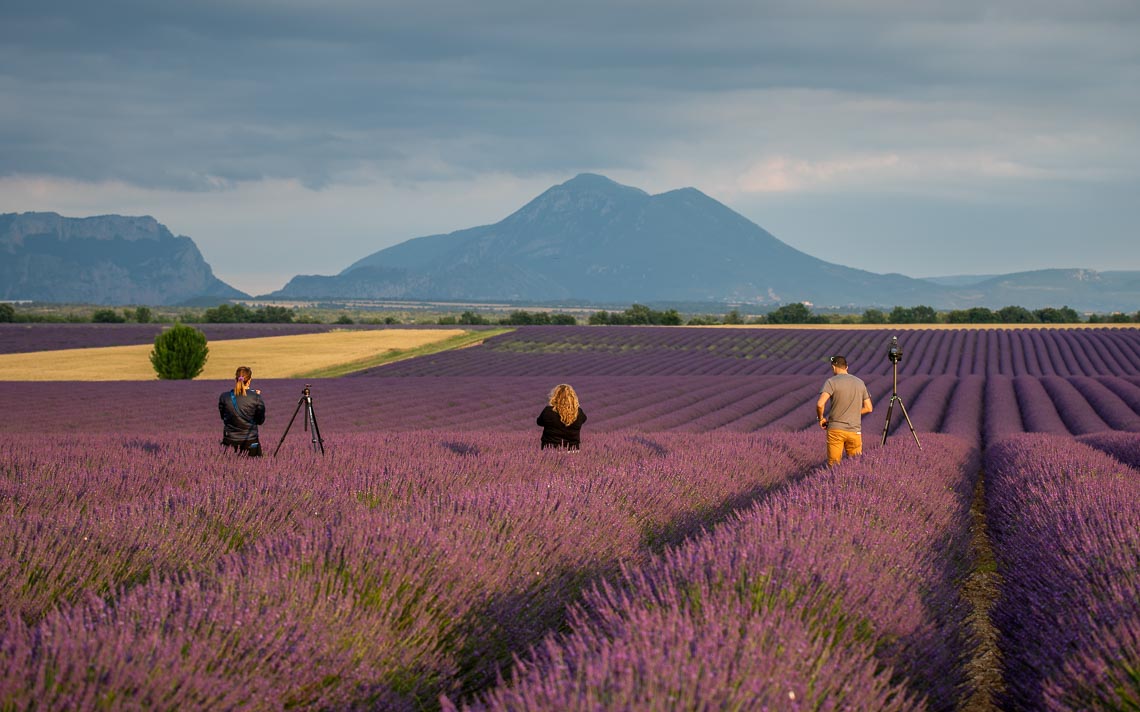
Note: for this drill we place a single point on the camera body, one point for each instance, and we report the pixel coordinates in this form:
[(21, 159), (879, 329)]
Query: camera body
[(894, 353)]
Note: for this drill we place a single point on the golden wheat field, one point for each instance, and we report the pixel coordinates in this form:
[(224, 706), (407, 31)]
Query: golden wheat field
[(269, 357)]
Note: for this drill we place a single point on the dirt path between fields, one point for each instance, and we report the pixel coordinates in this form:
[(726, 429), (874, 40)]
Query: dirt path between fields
[(981, 590)]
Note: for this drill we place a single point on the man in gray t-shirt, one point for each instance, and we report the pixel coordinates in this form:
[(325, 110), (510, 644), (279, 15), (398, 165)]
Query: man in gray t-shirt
[(850, 401)]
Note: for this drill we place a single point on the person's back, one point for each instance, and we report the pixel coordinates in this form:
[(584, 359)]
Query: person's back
[(850, 401), (847, 394), (562, 419), (242, 410)]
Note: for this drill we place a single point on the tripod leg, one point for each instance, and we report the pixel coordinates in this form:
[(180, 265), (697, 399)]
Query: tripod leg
[(901, 405), (887, 424), (295, 411), (317, 440)]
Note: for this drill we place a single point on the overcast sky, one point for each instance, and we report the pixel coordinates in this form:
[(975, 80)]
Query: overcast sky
[(286, 137)]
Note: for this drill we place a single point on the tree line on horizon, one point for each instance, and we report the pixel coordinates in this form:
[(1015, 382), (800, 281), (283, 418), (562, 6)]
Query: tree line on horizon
[(798, 313), (636, 314)]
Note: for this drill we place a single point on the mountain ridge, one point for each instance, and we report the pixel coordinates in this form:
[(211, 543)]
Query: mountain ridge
[(593, 238), (102, 259)]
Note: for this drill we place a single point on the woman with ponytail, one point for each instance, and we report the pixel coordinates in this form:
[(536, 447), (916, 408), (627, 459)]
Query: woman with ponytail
[(562, 419), (242, 410)]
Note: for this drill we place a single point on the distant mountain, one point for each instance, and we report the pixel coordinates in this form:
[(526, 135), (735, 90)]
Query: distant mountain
[(593, 239), (1081, 289), (109, 259), (960, 280)]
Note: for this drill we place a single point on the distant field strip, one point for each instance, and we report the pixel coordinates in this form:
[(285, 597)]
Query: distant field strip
[(305, 355)]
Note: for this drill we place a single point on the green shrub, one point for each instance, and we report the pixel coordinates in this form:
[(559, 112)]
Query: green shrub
[(179, 353), (107, 316), (143, 315), (874, 316), (7, 313)]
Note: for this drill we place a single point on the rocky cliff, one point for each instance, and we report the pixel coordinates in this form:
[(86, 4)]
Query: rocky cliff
[(108, 259)]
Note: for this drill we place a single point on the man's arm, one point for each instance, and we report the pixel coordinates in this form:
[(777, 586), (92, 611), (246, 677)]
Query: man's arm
[(866, 407), (819, 405)]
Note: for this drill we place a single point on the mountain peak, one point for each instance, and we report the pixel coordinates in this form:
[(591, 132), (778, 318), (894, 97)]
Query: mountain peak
[(595, 181), (584, 193)]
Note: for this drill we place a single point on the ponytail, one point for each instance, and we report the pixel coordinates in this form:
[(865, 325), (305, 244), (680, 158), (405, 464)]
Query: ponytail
[(241, 380)]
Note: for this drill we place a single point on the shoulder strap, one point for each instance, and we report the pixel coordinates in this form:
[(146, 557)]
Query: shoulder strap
[(237, 411)]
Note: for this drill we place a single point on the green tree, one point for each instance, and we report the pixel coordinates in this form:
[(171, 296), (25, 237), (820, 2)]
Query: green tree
[(143, 315), (526, 318), (923, 314), (797, 313), (669, 317), (344, 319), (1064, 315), (470, 317), (733, 317), (638, 314), (600, 318), (273, 315), (901, 315), (1016, 315), (107, 316), (7, 313), (179, 353), (228, 314), (563, 319), (874, 316), (983, 315)]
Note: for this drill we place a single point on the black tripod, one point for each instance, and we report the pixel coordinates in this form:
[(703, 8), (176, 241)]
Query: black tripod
[(895, 355), (310, 421)]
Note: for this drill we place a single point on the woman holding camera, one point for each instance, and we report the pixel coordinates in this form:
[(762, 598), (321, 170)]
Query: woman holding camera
[(562, 419), (242, 410)]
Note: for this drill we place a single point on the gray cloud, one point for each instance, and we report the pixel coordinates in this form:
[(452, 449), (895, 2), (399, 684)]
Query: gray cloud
[(196, 96), (890, 122)]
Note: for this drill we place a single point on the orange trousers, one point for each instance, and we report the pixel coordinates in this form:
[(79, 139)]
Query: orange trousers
[(840, 441)]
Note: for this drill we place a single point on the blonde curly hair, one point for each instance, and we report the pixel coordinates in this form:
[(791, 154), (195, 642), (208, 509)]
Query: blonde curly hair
[(565, 402)]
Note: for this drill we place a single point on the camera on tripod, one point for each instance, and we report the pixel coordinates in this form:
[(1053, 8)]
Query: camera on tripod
[(894, 353), (310, 422)]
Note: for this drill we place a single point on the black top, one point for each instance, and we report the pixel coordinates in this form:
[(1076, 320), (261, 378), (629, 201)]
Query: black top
[(555, 433), (240, 426)]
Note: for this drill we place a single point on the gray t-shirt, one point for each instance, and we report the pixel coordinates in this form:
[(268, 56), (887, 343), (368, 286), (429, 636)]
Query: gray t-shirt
[(847, 395)]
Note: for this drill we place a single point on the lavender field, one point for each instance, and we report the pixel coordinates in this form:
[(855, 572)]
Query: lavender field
[(694, 554)]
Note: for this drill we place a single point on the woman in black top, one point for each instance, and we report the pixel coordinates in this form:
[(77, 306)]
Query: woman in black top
[(242, 410), (562, 420)]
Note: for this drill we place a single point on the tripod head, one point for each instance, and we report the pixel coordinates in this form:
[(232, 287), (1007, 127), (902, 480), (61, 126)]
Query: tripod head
[(894, 353)]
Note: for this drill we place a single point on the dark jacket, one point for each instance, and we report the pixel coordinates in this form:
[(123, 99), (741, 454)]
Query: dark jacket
[(555, 433), (240, 426)]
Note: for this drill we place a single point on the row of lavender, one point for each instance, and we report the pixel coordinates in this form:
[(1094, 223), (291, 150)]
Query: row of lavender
[(165, 574), (572, 351), (26, 338), (664, 351), (975, 407), (840, 592), (1066, 531)]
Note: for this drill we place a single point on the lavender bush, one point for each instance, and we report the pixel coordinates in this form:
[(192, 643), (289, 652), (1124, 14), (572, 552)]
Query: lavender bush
[(394, 569), (1066, 534), (1123, 446), (840, 592)]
